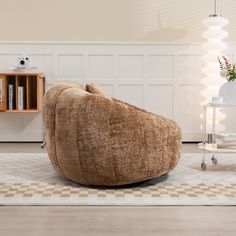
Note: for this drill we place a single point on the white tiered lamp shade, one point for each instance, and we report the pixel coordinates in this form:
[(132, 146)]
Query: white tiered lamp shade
[(212, 81)]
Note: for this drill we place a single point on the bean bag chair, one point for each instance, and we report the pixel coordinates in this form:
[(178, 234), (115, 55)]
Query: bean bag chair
[(94, 139)]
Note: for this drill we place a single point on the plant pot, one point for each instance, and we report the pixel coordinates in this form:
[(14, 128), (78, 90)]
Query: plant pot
[(228, 92)]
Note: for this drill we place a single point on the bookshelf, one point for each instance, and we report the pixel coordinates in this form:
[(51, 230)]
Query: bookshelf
[(21, 91)]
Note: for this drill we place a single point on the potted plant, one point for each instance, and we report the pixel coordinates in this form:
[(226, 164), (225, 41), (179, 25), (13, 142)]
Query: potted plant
[(228, 90)]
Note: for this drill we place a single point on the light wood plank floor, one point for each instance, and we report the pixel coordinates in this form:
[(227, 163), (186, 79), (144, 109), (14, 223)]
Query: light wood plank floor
[(103, 221)]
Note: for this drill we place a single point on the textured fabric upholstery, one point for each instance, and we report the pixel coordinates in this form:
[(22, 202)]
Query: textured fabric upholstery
[(97, 89), (95, 140)]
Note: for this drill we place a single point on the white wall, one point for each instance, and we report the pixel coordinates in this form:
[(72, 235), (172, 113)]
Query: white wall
[(162, 78)]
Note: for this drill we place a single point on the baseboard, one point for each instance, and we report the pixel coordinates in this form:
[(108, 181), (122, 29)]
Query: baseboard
[(21, 141), (192, 142)]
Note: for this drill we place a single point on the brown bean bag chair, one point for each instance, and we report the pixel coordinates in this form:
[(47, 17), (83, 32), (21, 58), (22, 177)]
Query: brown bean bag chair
[(94, 139)]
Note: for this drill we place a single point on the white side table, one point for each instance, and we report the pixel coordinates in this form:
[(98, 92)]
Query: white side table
[(212, 147)]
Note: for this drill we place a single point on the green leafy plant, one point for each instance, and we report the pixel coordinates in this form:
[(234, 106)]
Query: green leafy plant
[(227, 69)]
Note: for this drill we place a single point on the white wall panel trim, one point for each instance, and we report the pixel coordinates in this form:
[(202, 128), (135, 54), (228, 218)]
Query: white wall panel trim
[(161, 77)]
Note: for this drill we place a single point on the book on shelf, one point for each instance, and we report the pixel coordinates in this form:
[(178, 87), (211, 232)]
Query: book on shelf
[(10, 96), (226, 136), (228, 146), (2, 94), (1, 100), (226, 140), (20, 98)]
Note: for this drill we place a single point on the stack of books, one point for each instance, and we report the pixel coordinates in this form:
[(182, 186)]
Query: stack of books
[(11, 97), (226, 140)]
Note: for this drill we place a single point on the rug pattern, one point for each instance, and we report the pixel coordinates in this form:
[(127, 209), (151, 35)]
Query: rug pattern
[(29, 179)]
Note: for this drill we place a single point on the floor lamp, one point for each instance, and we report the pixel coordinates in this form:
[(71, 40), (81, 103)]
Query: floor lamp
[(211, 79)]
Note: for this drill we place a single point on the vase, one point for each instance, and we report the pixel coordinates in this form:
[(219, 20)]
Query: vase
[(228, 92)]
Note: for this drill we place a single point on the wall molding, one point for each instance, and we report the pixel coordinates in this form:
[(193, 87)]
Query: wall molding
[(106, 43), (161, 77)]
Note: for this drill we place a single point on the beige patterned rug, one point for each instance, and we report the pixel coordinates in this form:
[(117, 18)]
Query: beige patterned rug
[(29, 179)]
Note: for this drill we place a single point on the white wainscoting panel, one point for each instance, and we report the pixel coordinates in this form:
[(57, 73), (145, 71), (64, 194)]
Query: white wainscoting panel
[(44, 63), (70, 67), (131, 93), (100, 67), (160, 100), (161, 67), (163, 78), (6, 60), (188, 113), (131, 67), (188, 67)]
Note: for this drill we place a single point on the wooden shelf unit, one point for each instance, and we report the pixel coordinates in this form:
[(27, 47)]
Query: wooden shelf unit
[(33, 84)]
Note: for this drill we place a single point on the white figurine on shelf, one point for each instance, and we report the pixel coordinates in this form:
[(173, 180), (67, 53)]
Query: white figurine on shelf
[(22, 63)]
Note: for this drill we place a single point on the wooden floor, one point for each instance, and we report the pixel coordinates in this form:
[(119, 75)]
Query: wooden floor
[(104, 221)]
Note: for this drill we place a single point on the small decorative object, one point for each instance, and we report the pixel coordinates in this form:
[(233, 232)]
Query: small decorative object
[(226, 140), (228, 90), (217, 100), (227, 69), (22, 63)]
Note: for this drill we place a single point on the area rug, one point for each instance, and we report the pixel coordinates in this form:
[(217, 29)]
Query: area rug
[(29, 179)]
